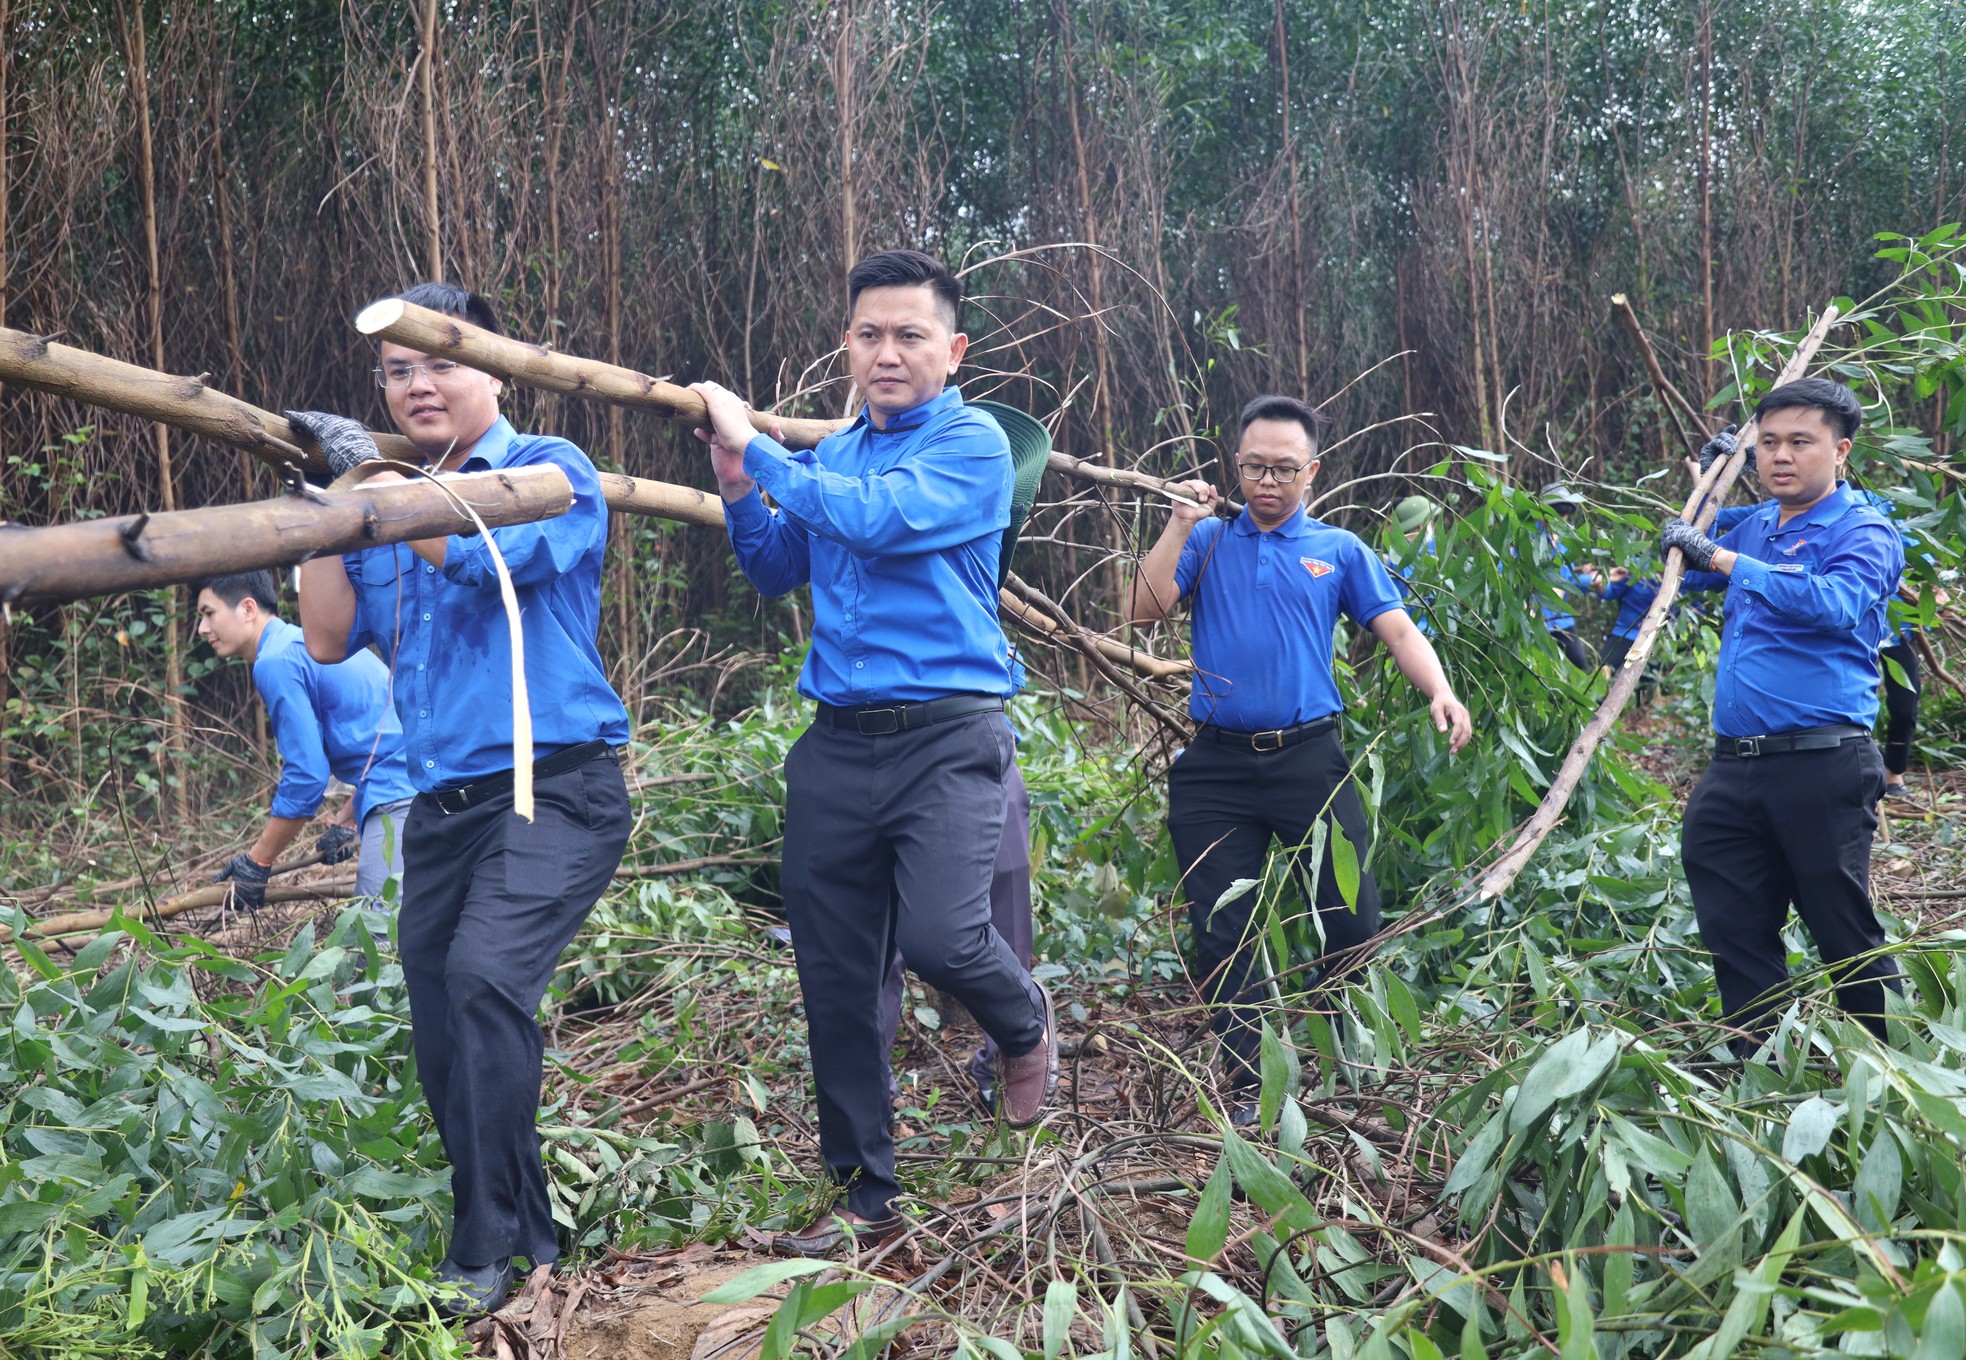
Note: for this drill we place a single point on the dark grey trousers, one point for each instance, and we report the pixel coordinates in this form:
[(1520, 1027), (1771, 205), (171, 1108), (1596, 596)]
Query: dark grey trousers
[(1010, 917), (489, 901), (890, 841)]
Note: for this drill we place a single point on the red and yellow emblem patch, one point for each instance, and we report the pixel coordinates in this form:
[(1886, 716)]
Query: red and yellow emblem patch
[(1316, 567)]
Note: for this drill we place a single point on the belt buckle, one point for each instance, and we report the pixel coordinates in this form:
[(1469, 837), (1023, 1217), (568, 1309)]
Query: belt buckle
[(1256, 740), (1747, 746), (890, 724), (444, 797)]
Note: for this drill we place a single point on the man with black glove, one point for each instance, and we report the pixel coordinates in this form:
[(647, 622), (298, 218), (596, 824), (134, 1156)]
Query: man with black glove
[(1784, 814), (489, 899), (326, 720)]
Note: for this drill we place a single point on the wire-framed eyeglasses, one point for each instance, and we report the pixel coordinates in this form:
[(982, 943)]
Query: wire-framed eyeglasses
[(402, 375)]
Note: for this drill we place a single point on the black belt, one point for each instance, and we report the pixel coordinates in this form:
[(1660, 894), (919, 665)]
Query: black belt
[(1274, 740), (877, 720), (468, 795), (1780, 743)]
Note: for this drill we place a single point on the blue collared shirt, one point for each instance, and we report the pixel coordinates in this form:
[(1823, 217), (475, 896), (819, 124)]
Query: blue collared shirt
[(1556, 611), (1804, 616), (1265, 606), (898, 533), (1634, 598), (329, 720), (444, 631)]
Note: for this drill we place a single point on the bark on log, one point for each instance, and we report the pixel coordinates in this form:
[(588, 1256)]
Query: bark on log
[(93, 922), (529, 365), (187, 403), (1677, 406), (1701, 507), (137, 552)]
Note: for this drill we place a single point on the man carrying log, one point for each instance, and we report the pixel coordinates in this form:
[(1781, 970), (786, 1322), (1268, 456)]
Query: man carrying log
[(1266, 590), (326, 720), (1785, 813), (894, 801), (490, 899)]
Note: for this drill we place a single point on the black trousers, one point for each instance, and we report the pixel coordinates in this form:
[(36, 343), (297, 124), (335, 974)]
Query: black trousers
[(890, 842), (1010, 917), (1769, 831), (1575, 650), (1224, 807), (489, 901), (1901, 704)]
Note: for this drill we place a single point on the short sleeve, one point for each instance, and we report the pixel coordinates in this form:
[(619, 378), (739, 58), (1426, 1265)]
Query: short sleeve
[(1368, 589), (1194, 554)]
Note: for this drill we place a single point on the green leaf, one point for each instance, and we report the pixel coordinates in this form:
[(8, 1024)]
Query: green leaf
[(1344, 867), (1547, 1077), (1209, 1228), (1710, 1206), (758, 1279), (1943, 1337), (1809, 1129), (1061, 1302)]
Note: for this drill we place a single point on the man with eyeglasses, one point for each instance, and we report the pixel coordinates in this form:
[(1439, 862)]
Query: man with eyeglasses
[(1266, 590), (489, 900)]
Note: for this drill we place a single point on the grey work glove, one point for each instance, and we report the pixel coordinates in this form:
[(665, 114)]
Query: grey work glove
[(249, 879), (1697, 547), (1722, 445), (337, 843), (344, 442)]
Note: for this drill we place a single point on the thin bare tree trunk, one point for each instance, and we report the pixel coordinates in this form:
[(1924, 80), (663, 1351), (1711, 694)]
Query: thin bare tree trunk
[(1298, 325), (1706, 196), (6, 624), (843, 81), (427, 95), (174, 732)]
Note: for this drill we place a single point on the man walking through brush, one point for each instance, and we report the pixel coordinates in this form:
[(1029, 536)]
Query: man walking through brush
[(1785, 813), (894, 801), (489, 900), (1266, 590)]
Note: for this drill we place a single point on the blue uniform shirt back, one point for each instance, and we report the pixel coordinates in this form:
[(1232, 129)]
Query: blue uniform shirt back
[(444, 630), (898, 533), (1634, 599), (329, 720), (1265, 605), (1804, 616)]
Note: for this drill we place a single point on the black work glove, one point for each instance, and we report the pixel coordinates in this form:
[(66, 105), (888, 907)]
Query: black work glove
[(249, 879), (1722, 445), (344, 442), (1698, 548), (337, 843)]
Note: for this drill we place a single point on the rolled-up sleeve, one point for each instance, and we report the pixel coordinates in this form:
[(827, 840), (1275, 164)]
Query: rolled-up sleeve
[(538, 552), (772, 552), (954, 490), (283, 683)]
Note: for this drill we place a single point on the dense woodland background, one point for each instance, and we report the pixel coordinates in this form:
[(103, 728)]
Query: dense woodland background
[(1166, 207)]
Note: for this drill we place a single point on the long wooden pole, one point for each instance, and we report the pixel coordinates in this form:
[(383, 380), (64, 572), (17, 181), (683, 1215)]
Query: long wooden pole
[(139, 552), (529, 365), (1701, 507)]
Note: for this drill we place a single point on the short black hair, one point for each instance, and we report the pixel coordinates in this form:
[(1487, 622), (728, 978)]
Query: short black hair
[(906, 269), (1274, 407), (452, 300), (1839, 405), (242, 585)]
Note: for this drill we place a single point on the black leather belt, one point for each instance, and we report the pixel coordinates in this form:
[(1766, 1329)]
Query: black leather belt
[(1274, 740), (1780, 743), (483, 790), (877, 720)]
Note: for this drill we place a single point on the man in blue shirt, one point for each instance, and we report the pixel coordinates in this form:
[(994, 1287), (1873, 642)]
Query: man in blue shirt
[(327, 720), (489, 899), (1266, 590), (894, 801), (1785, 813)]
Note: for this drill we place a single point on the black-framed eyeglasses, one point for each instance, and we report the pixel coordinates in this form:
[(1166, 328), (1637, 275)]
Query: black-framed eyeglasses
[(401, 375), (1270, 472)]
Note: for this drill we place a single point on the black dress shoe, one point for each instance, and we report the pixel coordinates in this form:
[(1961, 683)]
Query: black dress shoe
[(835, 1231), (477, 1289)]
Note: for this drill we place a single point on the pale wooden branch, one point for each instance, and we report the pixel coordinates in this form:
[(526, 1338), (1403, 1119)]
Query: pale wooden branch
[(1701, 507), (1677, 406)]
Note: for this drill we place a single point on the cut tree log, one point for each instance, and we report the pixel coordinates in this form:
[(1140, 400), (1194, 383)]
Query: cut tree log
[(72, 923), (1677, 406), (186, 403), (138, 552), (517, 361), (1701, 507)]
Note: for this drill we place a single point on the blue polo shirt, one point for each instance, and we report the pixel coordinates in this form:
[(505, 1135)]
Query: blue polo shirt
[(1556, 610), (1804, 616), (1265, 605), (1634, 598), (898, 532), (329, 720), (444, 631)]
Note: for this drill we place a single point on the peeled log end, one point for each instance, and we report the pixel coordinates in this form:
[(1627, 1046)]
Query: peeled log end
[(379, 315)]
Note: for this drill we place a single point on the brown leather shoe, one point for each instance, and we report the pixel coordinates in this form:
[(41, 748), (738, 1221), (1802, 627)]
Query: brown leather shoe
[(1027, 1081), (833, 1231)]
